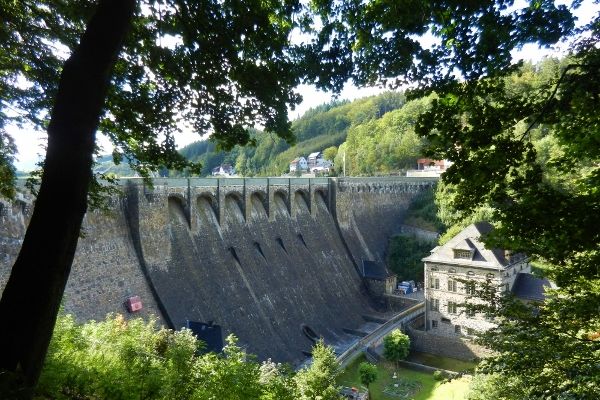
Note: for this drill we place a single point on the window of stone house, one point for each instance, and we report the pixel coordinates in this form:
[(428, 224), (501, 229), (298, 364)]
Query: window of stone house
[(452, 307), (452, 285), (434, 304), (490, 276), (470, 273), (452, 270), (435, 283), (434, 323), (446, 320), (434, 268), (470, 288), (463, 254), (470, 312), (457, 329)]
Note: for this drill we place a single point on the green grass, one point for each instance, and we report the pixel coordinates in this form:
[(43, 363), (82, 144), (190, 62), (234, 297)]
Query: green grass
[(432, 360), (427, 388)]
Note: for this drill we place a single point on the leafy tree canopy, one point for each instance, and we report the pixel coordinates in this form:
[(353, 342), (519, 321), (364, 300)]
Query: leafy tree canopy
[(219, 66), (318, 380), (530, 159), (368, 373), (330, 153), (396, 346), (132, 359), (544, 198)]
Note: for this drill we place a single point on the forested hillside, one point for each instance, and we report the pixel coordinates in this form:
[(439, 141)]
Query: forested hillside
[(319, 128), (375, 135)]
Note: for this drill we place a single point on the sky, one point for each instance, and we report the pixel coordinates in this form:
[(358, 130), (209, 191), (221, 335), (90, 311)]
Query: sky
[(30, 142)]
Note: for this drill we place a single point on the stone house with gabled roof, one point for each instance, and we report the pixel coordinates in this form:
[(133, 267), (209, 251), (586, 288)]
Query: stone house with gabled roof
[(378, 278), (453, 270)]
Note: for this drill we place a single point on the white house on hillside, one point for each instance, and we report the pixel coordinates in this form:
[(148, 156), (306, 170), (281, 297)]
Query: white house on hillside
[(314, 159), (427, 167), (316, 162), (223, 170), (298, 164), (465, 258)]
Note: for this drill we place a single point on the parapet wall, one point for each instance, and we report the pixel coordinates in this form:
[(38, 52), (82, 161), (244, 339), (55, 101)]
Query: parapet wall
[(262, 258), (446, 346)]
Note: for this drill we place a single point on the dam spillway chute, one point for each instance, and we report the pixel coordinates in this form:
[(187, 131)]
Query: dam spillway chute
[(234, 209), (301, 202), (207, 211), (178, 211), (280, 206), (320, 200), (259, 209)]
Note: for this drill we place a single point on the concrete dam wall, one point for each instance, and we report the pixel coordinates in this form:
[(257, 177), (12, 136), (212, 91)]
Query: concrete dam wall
[(263, 258)]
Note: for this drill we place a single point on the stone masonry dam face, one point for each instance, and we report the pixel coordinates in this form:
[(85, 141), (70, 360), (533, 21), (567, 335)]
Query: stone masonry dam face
[(263, 258)]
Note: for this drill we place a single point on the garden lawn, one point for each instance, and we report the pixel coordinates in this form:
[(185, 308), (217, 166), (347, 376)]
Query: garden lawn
[(415, 385), (432, 360)]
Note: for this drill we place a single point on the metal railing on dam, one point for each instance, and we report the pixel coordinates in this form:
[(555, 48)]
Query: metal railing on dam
[(275, 181), (270, 181), (217, 190)]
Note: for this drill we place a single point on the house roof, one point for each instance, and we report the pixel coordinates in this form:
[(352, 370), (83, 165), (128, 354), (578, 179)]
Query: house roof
[(314, 155), (209, 333), (295, 160), (530, 287), (430, 161), (469, 239), (464, 244), (374, 270)]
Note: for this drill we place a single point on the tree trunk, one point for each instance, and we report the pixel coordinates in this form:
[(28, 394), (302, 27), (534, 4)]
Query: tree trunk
[(32, 296)]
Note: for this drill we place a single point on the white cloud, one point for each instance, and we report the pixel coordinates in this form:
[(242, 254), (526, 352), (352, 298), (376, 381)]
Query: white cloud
[(30, 146), (313, 97)]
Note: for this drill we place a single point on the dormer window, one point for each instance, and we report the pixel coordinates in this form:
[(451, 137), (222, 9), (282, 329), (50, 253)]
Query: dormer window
[(464, 250), (463, 254)]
